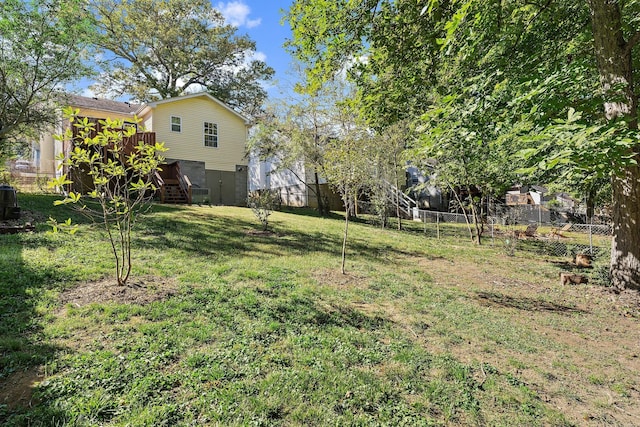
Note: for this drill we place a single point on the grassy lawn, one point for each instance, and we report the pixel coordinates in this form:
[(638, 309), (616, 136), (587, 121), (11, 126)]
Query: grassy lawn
[(222, 326)]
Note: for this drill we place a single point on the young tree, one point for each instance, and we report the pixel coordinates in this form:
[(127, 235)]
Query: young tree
[(121, 175), (262, 203), (348, 165), (43, 44), (165, 48), (297, 130), (388, 170), (466, 155)]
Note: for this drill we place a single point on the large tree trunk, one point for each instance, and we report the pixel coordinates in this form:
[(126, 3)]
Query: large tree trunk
[(613, 54), (625, 248)]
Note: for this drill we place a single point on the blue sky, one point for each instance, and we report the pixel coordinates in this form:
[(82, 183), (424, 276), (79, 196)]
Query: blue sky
[(261, 20)]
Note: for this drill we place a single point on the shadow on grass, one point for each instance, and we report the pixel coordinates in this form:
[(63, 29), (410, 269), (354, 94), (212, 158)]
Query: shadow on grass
[(43, 207), (562, 249), (305, 310), (22, 348), (525, 303), (204, 234)]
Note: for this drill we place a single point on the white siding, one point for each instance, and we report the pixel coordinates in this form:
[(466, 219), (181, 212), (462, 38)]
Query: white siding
[(262, 175)]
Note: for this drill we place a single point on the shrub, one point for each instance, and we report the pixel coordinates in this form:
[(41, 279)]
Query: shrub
[(262, 202), (119, 178)]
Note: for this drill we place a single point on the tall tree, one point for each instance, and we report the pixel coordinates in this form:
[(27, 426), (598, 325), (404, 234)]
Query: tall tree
[(385, 46), (165, 48), (614, 55), (527, 62), (297, 130), (42, 47), (466, 155)]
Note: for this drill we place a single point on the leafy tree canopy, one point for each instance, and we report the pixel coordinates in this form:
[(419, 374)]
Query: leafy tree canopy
[(42, 47), (296, 131), (166, 48), (494, 73)]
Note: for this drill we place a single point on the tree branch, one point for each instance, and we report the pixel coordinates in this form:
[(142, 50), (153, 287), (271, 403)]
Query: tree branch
[(633, 41)]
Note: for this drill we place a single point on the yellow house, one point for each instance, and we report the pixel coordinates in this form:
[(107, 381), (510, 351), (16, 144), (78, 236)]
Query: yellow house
[(205, 137)]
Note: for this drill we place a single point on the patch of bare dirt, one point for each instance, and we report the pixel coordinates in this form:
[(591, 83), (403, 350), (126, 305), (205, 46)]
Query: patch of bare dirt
[(27, 221), (335, 278), (17, 389), (26, 216), (137, 291)]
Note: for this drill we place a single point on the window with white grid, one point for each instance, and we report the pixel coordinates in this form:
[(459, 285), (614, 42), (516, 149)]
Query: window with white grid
[(210, 134)]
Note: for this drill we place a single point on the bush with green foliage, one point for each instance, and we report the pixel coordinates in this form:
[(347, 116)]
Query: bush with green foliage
[(262, 203), (120, 180)]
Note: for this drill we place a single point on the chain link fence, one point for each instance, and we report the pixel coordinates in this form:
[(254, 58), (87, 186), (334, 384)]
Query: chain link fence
[(558, 240)]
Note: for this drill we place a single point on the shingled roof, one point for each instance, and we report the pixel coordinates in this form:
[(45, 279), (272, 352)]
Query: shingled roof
[(101, 104)]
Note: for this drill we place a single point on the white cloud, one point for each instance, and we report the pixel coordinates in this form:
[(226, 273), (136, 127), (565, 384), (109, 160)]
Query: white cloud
[(252, 23), (257, 56), (237, 13)]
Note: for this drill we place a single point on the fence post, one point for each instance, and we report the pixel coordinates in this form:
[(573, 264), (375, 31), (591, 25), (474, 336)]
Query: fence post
[(438, 224), (424, 220), (493, 225), (540, 212), (591, 236)]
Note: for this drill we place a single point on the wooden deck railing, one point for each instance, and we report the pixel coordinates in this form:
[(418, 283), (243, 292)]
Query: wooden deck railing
[(159, 182), (169, 174), (147, 138), (185, 184), (171, 179), (129, 143)]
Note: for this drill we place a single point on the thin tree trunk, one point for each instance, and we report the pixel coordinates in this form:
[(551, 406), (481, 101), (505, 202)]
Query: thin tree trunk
[(476, 219), (321, 208), (464, 212), (395, 168), (613, 55), (346, 232)]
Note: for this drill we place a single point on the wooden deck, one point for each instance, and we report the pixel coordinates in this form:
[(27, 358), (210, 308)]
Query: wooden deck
[(148, 138)]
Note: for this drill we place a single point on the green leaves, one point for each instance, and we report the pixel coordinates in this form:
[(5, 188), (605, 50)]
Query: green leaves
[(572, 147), (164, 48), (115, 174), (65, 226), (43, 48)]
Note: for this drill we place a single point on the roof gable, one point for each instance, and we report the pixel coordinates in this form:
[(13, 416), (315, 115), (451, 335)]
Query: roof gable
[(151, 105)]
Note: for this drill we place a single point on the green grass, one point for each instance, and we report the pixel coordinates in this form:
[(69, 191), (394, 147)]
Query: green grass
[(263, 330)]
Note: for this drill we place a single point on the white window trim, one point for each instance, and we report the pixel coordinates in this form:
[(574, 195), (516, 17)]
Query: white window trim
[(204, 135), (171, 124)]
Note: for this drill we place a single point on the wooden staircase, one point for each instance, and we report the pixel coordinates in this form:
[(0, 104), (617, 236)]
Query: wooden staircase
[(404, 203), (173, 186), (173, 193)]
